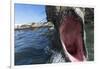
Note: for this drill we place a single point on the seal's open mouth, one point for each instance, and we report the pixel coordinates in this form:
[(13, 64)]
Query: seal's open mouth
[(72, 39)]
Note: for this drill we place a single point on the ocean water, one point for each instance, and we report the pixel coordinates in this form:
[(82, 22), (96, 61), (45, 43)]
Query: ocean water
[(31, 46), (34, 46)]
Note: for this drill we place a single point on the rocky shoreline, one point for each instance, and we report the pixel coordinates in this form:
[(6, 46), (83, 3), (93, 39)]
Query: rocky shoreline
[(33, 26)]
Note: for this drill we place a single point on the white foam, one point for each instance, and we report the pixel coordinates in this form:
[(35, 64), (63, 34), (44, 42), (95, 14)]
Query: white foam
[(57, 57)]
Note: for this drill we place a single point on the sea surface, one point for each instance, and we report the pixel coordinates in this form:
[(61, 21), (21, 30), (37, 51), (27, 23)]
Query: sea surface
[(31, 46)]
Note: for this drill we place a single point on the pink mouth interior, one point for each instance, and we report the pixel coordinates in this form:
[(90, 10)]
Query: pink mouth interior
[(70, 32)]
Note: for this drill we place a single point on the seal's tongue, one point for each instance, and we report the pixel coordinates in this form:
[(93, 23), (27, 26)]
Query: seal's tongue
[(71, 38)]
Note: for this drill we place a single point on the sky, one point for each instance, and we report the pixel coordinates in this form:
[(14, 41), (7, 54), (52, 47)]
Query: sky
[(28, 13)]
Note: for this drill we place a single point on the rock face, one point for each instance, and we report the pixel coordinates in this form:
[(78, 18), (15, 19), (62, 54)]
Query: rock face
[(69, 29)]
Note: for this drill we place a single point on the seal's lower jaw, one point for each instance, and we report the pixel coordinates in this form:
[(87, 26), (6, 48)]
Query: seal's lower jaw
[(74, 57)]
